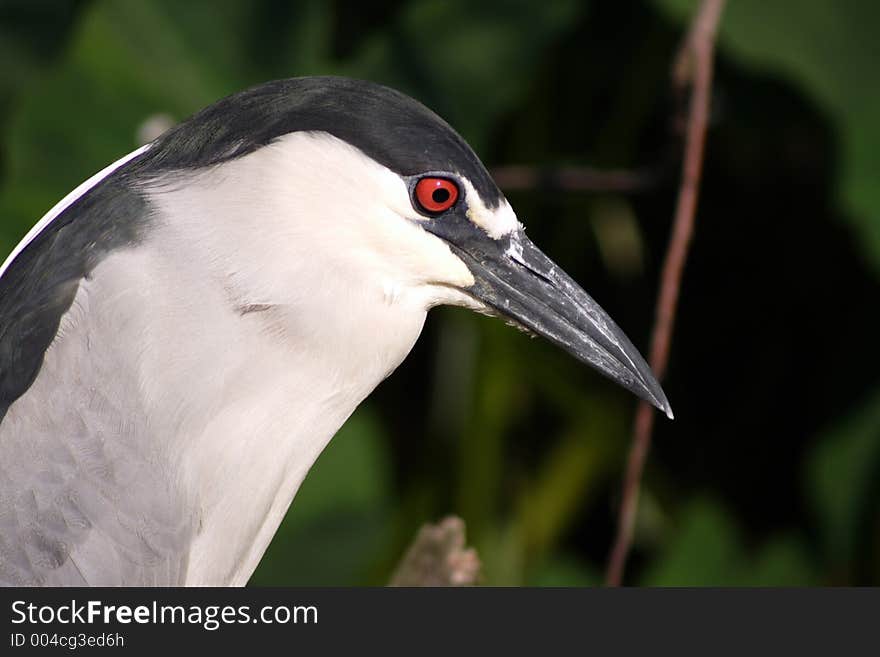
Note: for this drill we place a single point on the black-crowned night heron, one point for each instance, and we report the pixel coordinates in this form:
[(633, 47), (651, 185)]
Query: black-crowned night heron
[(183, 334)]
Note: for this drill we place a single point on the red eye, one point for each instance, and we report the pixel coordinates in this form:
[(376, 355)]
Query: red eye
[(435, 195)]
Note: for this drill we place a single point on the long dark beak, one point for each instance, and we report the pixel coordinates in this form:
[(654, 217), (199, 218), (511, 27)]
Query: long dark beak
[(514, 278)]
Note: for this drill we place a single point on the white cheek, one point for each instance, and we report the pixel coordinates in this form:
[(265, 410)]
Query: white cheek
[(410, 257)]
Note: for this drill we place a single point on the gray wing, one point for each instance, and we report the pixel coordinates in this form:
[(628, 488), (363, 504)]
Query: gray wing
[(85, 497), (83, 500)]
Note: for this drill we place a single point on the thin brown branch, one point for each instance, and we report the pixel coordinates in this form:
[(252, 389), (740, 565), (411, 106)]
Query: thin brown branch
[(516, 177), (694, 65)]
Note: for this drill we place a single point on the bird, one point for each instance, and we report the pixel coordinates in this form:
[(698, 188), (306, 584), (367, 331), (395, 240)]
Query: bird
[(183, 334)]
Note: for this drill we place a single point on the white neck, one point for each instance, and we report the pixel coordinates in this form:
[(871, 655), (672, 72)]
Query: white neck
[(210, 364), (284, 342)]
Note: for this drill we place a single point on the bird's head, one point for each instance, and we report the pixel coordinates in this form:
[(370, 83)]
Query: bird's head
[(379, 188)]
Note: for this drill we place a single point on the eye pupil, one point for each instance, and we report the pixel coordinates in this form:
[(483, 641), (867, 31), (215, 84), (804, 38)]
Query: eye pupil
[(433, 195)]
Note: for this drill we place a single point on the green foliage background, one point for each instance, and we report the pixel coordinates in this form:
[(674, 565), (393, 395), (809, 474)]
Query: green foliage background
[(769, 475)]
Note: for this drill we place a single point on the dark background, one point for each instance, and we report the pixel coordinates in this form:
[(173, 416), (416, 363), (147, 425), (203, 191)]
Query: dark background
[(770, 473)]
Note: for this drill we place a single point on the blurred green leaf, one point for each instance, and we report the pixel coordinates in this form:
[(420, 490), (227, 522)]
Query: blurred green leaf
[(709, 548), (572, 473), (498, 405), (830, 49), (469, 71), (565, 570), (781, 562), (126, 61), (32, 35), (841, 475), (706, 548)]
